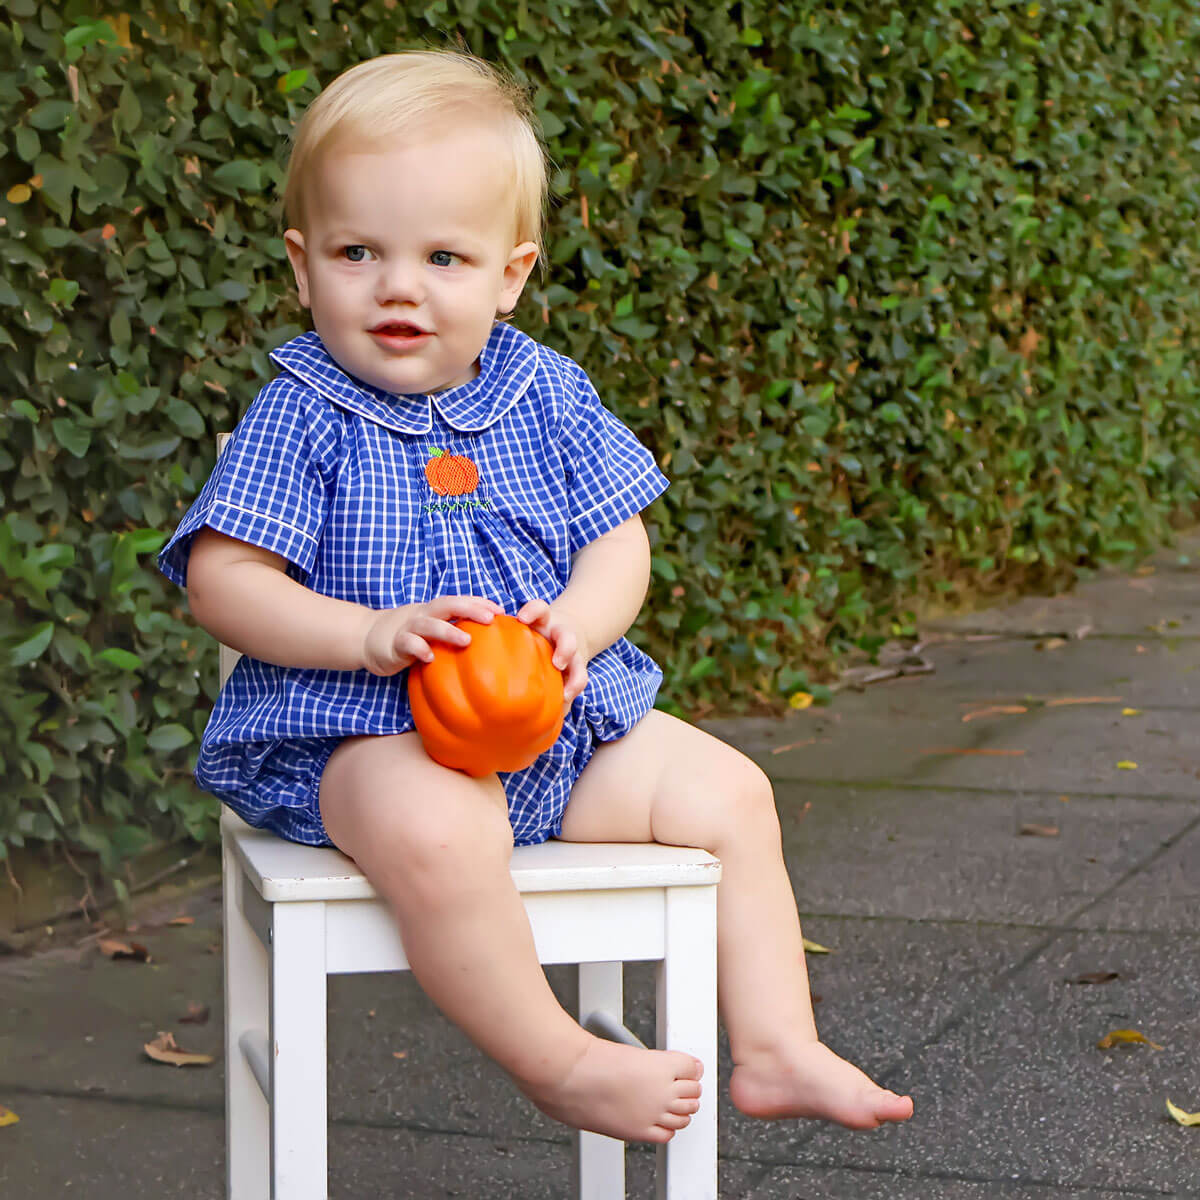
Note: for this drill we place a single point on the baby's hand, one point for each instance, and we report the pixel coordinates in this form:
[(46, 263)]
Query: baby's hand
[(398, 637), (570, 655)]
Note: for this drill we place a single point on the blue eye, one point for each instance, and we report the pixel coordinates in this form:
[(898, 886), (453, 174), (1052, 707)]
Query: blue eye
[(356, 254), (442, 258)]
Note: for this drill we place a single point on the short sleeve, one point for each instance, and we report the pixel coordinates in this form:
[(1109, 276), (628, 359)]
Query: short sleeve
[(610, 474), (268, 487)]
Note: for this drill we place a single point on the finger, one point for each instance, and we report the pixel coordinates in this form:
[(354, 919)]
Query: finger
[(473, 608), (432, 629), (533, 611), (576, 681), (565, 647), (407, 648)]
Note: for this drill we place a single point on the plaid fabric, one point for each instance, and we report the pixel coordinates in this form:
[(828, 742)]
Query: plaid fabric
[(486, 489)]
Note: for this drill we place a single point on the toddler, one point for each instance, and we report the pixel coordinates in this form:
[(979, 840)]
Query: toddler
[(330, 552)]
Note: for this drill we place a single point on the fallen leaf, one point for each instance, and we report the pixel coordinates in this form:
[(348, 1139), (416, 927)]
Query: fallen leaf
[(973, 750), (182, 921), (1109, 1040), (1127, 765), (399, 1053), (1062, 701), (793, 746), (1177, 1113), (994, 710), (134, 951), (8, 1117), (816, 947), (197, 1014), (164, 1049), (1029, 829), (1131, 712), (1050, 643), (1096, 977), (800, 700)]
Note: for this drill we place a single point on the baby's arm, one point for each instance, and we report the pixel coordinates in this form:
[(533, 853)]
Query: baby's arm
[(243, 596), (602, 598)]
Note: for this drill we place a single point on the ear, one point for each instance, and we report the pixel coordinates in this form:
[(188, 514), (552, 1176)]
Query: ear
[(516, 271), (293, 239)]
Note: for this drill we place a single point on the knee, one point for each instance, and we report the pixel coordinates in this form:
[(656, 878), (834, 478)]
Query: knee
[(751, 799), (735, 807), (428, 831)]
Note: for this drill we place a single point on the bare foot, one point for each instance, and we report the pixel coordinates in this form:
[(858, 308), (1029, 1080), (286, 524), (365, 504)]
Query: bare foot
[(624, 1092), (812, 1081)]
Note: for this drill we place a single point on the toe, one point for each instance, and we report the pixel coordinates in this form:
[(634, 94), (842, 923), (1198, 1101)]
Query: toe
[(891, 1107)]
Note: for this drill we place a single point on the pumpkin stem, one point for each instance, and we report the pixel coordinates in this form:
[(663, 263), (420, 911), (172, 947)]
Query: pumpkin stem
[(434, 452)]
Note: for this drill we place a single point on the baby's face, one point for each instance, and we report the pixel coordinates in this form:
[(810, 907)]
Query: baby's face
[(407, 255)]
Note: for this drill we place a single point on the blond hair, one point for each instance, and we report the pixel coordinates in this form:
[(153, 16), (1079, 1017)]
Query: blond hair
[(394, 94)]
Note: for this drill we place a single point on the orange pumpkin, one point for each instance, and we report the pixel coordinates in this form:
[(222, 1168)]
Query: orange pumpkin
[(492, 705)]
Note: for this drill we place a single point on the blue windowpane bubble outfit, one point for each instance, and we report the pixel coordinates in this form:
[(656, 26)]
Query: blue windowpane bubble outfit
[(330, 473)]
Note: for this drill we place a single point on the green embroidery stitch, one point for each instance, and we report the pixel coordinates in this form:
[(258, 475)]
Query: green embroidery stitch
[(454, 505)]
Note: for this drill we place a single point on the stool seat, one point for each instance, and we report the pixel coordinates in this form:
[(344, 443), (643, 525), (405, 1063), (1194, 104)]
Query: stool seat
[(282, 871)]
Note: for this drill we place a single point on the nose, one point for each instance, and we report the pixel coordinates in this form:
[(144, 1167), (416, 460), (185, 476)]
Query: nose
[(398, 281)]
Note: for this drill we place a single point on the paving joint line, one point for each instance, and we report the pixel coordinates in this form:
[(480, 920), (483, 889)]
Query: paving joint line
[(807, 915), (902, 785), (827, 1164)]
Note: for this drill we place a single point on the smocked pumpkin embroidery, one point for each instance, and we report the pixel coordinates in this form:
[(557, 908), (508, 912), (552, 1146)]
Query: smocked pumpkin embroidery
[(455, 477), (451, 474)]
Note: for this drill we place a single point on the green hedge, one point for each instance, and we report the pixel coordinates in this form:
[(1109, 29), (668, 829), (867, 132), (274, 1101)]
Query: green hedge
[(902, 294)]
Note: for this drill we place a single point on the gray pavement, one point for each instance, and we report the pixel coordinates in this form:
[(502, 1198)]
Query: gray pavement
[(956, 940)]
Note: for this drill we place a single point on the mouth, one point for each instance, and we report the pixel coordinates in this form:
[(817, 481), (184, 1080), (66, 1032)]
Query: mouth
[(401, 330)]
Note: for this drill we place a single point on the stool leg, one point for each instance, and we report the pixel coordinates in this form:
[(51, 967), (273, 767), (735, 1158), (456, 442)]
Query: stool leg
[(687, 1021), (247, 1135), (299, 1128), (599, 1161)]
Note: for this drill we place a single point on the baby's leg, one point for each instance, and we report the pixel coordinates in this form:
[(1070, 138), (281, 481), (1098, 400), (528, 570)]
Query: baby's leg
[(669, 782), (436, 846)]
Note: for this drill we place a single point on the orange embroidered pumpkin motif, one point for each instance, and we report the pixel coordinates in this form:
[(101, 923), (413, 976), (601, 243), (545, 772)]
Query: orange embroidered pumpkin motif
[(492, 705), (451, 474)]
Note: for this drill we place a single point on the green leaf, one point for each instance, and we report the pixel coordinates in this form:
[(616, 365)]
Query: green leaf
[(72, 436), (239, 175), (51, 114), (166, 738), (292, 80), (122, 659), (63, 291), (33, 646)]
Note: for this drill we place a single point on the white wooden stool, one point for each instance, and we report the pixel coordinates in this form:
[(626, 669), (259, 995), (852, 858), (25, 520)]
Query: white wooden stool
[(295, 914)]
